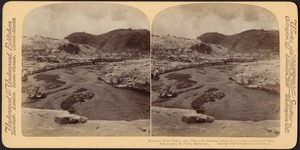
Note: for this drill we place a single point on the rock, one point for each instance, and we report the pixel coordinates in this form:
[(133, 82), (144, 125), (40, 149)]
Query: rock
[(169, 92), (110, 78), (142, 129), (193, 118), (24, 75), (243, 78), (163, 93), (209, 119), (210, 95), (155, 74), (70, 119), (76, 97), (37, 94)]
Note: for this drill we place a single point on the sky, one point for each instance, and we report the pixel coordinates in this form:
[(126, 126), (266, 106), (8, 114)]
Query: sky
[(193, 20), (60, 20)]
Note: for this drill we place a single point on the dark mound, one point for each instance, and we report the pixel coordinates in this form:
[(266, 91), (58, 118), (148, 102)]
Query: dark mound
[(78, 96), (212, 37), (121, 40), (250, 41), (80, 37), (210, 95)]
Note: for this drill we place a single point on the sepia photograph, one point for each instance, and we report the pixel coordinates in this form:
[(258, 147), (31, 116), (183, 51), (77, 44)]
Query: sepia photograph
[(215, 71), (122, 74), (85, 71)]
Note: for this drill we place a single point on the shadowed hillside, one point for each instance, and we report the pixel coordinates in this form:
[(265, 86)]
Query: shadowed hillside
[(250, 41), (121, 40)]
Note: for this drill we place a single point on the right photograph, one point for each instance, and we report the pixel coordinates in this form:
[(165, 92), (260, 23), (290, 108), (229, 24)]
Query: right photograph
[(215, 71)]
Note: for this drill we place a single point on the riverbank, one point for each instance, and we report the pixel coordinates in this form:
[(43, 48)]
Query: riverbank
[(263, 75), (167, 122), (165, 66), (130, 74), (40, 122)]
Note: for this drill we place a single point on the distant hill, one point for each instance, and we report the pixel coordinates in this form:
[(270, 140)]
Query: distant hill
[(250, 41), (115, 41)]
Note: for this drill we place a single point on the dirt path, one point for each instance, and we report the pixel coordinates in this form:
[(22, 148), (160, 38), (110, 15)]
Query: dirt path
[(239, 103), (108, 103)]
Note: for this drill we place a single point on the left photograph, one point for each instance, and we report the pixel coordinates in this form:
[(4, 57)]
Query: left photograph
[(86, 71)]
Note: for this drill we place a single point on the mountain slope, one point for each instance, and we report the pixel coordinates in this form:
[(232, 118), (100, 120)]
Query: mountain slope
[(36, 47), (175, 48), (172, 42), (250, 41), (115, 41)]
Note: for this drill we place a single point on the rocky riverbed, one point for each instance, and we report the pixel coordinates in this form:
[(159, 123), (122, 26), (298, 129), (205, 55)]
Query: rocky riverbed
[(264, 75), (131, 74), (81, 90), (214, 91)]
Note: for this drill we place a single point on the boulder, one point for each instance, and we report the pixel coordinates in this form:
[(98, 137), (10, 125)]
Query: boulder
[(111, 78), (192, 119), (24, 75), (37, 94), (209, 119), (169, 92), (243, 79), (70, 119), (196, 118), (76, 97), (155, 74)]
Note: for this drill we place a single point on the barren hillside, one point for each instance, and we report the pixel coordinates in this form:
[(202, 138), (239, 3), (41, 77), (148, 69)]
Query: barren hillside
[(184, 49), (47, 49), (251, 41), (120, 40)]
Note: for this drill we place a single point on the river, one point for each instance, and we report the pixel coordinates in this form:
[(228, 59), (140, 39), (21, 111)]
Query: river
[(108, 103), (239, 103)]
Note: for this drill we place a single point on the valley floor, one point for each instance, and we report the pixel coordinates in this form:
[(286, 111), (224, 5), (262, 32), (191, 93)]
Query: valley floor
[(243, 111)]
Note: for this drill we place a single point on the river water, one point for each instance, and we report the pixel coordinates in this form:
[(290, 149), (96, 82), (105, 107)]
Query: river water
[(109, 103), (239, 103)]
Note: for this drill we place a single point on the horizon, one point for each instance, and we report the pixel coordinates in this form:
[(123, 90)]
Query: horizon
[(149, 31), (60, 20), (83, 32), (214, 32), (193, 20)]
